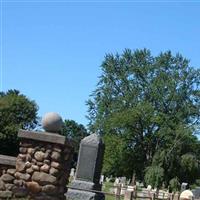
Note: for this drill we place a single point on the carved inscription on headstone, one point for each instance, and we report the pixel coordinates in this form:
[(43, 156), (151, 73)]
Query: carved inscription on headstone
[(86, 168)]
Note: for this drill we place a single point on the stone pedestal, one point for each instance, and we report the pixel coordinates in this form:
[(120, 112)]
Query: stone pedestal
[(76, 195), (43, 165), (88, 171)]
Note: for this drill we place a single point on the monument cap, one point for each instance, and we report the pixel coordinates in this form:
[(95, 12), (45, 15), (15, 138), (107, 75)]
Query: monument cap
[(92, 139), (186, 194), (52, 122)]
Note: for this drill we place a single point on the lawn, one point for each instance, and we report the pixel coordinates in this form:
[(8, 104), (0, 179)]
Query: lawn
[(106, 188)]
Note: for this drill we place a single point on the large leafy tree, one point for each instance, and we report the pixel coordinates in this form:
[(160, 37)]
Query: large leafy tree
[(16, 112), (153, 103)]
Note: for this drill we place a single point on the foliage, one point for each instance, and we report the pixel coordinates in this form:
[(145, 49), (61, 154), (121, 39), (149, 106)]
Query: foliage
[(76, 132), (153, 105), (198, 182), (114, 155), (154, 176), (174, 185), (106, 188), (189, 167), (16, 112)]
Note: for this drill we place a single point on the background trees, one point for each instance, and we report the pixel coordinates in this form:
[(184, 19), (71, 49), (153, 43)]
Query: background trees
[(76, 132), (16, 112), (19, 112), (152, 104), (154, 176), (147, 109)]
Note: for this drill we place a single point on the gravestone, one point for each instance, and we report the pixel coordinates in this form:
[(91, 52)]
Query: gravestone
[(72, 172), (117, 181), (184, 186), (72, 175), (142, 184), (107, 179), (88, 170), (149, 188), (102, 179), (196, 192), (128, 181), (123, 181)]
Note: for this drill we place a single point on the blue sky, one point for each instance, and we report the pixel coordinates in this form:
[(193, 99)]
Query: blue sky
[(52, 51)]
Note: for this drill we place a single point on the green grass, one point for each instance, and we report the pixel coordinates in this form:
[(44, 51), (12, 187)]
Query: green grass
[(106, 188), (109, 198)]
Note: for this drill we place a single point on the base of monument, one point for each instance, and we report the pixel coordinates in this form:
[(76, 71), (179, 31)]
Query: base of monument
[(85, 185), (73, 194)]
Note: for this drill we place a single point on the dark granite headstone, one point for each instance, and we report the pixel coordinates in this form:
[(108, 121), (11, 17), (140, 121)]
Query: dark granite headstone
[(88, 170)]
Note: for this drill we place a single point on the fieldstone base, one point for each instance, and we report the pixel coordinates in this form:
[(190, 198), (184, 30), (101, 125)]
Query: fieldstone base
[(82, 195)]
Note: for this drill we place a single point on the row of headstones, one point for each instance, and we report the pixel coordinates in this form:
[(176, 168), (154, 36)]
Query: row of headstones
[(126, 187), (131, 193)]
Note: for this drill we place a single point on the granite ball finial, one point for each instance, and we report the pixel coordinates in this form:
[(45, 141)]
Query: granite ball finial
[(187, 195), (52, 122)]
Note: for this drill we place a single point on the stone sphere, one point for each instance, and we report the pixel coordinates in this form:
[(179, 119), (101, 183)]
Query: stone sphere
[(52, 122), (186, 195)]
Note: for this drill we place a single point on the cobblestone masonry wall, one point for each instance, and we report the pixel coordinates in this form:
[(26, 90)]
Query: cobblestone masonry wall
[(7, 171), (42, 168)]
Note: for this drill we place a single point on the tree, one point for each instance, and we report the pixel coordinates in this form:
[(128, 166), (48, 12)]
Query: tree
[(190, 168), (16, 112), (154, 176), (174, 185), (76, 132), (153, 103), (114, 156)]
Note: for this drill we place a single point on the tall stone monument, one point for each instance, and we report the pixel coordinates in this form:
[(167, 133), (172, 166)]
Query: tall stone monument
[(88, 170)]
